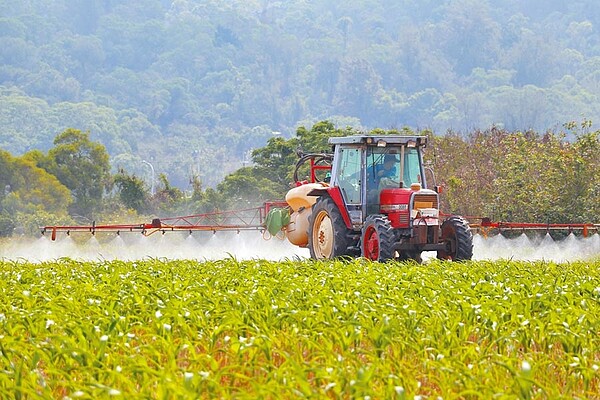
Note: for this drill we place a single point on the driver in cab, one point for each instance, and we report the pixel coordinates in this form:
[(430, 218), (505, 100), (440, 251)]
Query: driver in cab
[(387, 173)]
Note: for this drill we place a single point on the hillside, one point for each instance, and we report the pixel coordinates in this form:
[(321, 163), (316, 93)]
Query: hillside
[(192, 86)]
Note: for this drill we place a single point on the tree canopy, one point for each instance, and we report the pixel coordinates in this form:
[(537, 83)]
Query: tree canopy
[(82, 166), (28, 192)]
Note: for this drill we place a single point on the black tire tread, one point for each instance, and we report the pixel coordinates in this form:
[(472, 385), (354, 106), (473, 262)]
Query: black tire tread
[(463, 237), (385, 234)]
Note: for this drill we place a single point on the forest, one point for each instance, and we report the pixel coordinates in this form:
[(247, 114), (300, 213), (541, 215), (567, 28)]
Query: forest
[(183, 97), (193, 86)]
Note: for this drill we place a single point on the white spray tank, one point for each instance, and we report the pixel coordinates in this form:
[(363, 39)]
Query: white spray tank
[(301, 204)]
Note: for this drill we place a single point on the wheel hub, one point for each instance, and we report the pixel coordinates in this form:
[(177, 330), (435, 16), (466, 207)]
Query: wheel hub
[(324, 237), (371, 244)]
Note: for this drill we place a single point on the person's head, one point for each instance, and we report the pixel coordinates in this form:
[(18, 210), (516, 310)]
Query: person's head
[(389, 161)]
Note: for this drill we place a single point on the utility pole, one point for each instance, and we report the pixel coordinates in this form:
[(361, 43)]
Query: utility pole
[(152, 179)]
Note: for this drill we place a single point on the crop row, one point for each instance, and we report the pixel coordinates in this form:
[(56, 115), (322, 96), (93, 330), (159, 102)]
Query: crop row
[(294, 329)]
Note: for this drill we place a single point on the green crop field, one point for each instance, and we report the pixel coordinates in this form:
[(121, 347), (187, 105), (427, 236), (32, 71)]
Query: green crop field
[(299, 329)]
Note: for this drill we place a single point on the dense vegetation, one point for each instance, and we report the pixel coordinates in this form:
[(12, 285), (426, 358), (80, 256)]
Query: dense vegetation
[(258, 329), (520, 176), (191, 86), (510, 176)]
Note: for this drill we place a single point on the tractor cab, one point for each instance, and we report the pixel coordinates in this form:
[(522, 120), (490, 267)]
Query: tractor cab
[(366, 165)]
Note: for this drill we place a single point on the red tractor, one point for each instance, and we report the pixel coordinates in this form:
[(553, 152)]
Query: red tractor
[(376, 204)]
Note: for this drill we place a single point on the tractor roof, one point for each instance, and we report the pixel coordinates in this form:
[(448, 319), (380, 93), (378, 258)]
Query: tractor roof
[(380, 140)]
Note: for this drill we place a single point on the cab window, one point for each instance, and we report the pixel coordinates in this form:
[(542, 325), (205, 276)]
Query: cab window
[(412, 171), (349, 174)]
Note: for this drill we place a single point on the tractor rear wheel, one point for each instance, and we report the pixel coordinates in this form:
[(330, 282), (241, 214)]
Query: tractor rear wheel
[(328, 236), (458, 238), (377, 241)]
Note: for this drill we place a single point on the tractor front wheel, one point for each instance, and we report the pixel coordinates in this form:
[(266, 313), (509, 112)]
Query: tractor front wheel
[(328, 236), (458, 238), (377, 241)]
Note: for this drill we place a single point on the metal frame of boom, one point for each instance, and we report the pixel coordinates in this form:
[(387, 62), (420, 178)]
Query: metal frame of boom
[(487, 227), (234, 220)]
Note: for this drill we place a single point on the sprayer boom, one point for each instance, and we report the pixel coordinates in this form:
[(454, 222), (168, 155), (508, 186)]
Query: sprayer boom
[(236, 220), (487, 227)]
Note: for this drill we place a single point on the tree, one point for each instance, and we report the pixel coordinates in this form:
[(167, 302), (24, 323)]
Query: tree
[(27, 193), (16, 52), (243, 188), (168, 197), (132, 191), (276, 161), (27, 185), (82, 166), (87, 50)]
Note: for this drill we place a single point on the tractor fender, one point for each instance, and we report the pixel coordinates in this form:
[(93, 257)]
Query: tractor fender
[(298, 198), (336, 195)]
